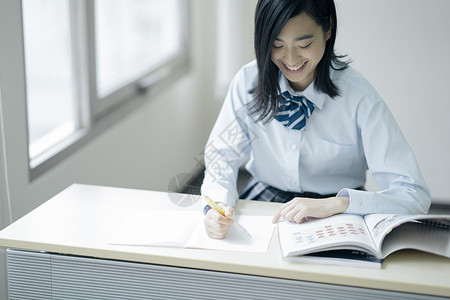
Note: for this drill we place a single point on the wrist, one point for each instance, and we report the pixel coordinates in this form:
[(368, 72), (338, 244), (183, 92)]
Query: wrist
[(343, 203)]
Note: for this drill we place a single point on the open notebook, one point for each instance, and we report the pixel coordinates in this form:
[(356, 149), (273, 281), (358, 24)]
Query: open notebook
[(185, 229)]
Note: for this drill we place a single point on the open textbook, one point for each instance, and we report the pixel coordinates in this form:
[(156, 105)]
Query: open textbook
[(185, 229), (363, 241)]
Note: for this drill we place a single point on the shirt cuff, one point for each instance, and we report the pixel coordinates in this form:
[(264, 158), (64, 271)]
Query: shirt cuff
[(218, 193), (358, 201), (206, 209)]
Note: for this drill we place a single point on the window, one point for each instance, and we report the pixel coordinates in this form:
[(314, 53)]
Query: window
[(86, 60), (49, 74), (133, 37)]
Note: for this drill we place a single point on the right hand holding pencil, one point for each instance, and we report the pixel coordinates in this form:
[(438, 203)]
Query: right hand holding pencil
[(217, 225)]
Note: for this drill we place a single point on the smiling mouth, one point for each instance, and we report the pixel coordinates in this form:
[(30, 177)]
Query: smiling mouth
[(296, 68)]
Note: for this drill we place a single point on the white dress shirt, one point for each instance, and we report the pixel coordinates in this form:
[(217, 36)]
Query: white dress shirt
[(343, 138)]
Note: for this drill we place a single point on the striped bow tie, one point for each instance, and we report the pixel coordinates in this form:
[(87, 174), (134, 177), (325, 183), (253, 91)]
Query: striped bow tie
[(292, 111)]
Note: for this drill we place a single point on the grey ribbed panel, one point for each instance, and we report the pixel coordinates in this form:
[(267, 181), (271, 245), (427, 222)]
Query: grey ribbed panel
[(90, 278), (29, 275)]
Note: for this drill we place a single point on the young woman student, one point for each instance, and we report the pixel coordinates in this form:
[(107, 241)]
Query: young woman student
[(309, 126)]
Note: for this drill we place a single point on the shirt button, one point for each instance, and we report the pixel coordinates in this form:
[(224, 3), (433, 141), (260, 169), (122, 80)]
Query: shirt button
[(294, 147)]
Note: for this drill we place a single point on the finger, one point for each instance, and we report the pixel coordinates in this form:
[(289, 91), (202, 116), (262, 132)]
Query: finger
[(295, 209), (221, 224), (216, 236), (276, 217), (289, 215), (299, 217), (279, 214), (229, 212), (288, 209), (218, 218), (215, 231), (218, 228)]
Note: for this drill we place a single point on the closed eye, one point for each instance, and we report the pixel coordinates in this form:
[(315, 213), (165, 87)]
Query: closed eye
[(304, 47)]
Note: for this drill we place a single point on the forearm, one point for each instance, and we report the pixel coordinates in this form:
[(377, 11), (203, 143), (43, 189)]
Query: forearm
[(398, 201)]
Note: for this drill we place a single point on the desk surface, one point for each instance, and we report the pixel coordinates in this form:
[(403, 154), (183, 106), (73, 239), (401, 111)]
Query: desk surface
[(80, 220)]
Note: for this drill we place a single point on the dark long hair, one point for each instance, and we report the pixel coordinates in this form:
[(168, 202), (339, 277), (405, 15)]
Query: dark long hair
[(270, 18)]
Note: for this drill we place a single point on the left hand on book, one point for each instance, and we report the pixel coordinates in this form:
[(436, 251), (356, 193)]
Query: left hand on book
[(298, 209)]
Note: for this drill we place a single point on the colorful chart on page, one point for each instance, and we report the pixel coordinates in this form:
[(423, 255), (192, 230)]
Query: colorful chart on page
[(322, 233)]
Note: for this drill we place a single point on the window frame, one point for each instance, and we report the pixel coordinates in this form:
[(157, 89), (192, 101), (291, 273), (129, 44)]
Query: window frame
[(97, 115)]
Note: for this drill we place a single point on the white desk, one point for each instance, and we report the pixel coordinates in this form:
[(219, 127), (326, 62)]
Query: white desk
[(66, 251)]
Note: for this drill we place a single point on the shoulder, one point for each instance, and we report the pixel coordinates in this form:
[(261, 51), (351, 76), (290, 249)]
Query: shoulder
[(250, 67), (244, 82), (240, 88), (359, 96), (356, 92), (352, 82), (248, 72)]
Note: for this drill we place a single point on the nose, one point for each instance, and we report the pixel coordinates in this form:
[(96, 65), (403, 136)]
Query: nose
[(291, 56)]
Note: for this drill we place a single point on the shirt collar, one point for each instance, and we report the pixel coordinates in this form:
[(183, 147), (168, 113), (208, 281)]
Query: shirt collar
[(313, 95)]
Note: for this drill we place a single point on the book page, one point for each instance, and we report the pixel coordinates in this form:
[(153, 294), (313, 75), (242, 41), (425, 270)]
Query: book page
[(429, 236), (342, 231), (186, 229), (156, 228), (259, 227), (381, 225)]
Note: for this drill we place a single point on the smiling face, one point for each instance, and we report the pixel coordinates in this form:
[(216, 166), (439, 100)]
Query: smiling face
[(298, 49)]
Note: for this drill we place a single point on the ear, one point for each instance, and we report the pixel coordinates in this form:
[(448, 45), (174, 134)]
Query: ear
[(328, 33)]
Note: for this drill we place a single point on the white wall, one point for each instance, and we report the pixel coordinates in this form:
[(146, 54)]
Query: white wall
[(234, 40), (402, 47)]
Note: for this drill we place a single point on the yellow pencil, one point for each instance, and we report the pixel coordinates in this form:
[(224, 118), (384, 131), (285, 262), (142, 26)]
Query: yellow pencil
[(215, 206)]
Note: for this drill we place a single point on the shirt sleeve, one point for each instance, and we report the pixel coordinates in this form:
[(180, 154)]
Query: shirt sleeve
[(392, 164), (228, 146)]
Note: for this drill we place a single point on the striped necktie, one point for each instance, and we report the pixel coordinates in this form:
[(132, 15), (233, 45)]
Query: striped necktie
[(292, 111)]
